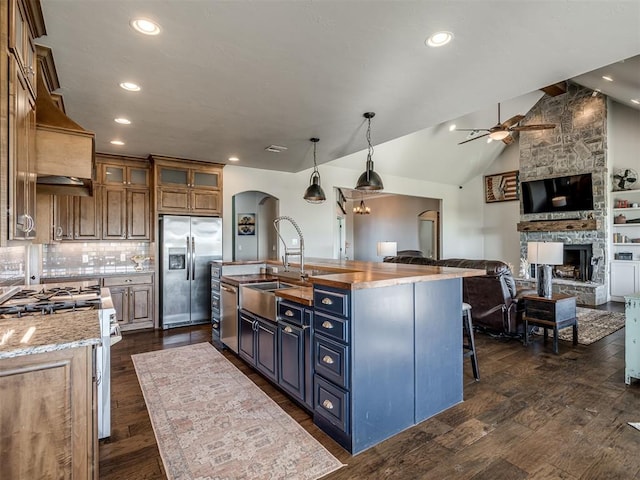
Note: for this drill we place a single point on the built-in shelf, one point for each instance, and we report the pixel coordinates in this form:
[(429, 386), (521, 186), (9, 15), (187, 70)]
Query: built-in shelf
[(626, 244), (626, 224), (558, 225), (627, 209)]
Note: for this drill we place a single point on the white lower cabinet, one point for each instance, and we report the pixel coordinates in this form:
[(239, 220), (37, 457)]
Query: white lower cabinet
[(625, 279)]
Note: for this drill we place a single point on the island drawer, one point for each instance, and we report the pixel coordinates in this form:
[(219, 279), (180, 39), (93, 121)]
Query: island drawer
[(290, 312), (331, 301), (334, 327), (215, 302), (331, 360), (331, 403)]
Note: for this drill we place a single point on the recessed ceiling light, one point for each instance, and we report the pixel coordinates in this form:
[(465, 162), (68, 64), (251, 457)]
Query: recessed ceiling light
[(636, 101), (122, 121), (439, 39), (607, 78), (117, 142), (452, 127), (130, 86), (489, 140), (234, 159), (145, 26)]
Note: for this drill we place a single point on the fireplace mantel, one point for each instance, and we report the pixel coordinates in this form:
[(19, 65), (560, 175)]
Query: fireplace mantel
[(559, 225)]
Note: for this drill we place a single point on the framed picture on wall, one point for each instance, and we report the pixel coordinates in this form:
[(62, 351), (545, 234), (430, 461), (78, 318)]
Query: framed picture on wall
[(246, 224), (502, 187)]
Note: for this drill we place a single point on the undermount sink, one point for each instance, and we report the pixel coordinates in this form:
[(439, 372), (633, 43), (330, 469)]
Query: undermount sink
[(260, 298)]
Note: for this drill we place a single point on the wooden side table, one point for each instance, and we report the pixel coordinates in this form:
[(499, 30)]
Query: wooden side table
[(557, 312)]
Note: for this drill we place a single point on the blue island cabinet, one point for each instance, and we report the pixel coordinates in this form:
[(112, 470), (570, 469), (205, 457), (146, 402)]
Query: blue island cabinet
[(385, 358)]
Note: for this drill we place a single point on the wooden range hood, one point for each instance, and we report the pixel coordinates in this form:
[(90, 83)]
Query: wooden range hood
[(65, 152)]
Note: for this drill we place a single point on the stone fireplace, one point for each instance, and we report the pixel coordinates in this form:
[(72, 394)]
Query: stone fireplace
[(577, 145)]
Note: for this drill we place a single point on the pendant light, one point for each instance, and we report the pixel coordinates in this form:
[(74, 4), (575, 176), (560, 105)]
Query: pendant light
[(369, 180), (362, 209), (314, 192)]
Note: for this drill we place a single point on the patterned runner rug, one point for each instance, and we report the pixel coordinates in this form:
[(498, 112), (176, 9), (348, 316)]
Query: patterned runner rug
[(212, 422), (593, 325)]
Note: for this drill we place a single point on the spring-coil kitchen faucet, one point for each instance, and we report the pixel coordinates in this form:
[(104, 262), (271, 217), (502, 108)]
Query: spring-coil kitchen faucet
[(289, 252)]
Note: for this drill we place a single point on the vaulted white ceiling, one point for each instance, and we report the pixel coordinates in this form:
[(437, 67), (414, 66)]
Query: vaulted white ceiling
[(231, 78)]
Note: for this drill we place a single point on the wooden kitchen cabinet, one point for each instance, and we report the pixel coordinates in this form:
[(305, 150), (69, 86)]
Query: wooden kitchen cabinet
[(25, 24), (22, 150), (48, 416), (126, 201), (188, 187), (133, 300)]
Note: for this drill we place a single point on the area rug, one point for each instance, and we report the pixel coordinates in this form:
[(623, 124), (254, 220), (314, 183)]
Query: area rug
[(212, 422), (593, 325)]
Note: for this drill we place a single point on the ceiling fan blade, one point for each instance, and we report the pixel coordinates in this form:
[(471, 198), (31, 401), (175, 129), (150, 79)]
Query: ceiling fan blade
[(474, 138), (472, 129), (508, 140), (524, 128), (512, 121)]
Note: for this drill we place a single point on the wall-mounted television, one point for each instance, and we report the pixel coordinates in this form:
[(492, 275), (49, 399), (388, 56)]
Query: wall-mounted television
[(559, 194)]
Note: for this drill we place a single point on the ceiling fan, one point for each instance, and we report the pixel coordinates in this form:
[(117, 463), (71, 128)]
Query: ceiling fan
[(502, 131)]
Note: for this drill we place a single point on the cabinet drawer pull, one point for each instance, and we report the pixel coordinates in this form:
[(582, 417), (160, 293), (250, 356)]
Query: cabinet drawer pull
[(327, 324), (289, 313), (327, 301), (327, 404), (288, 329), (327, 359)]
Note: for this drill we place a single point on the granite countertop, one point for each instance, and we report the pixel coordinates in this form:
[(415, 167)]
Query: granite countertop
[(47, 333)]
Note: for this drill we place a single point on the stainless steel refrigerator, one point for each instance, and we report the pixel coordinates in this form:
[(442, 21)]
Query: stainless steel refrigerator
[(187, 244)]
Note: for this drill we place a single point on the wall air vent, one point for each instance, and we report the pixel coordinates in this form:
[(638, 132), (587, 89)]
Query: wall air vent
[(276, 148)]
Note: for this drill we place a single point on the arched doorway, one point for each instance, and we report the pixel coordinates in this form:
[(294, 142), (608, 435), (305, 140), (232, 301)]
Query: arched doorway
[(254, 237)]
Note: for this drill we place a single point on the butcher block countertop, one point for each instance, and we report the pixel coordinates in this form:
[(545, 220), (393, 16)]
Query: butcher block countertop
[(346, 274), (46, 333), (356, 275)]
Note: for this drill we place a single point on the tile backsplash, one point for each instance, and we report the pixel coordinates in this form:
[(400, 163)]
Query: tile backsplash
[(99, 258), (12, 265)]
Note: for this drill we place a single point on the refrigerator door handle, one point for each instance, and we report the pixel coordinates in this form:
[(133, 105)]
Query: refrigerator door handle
[(188, 258), (193, 258)]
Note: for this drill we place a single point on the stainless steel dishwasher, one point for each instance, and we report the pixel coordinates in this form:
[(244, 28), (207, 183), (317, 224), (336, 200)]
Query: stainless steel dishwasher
[(229, 316)]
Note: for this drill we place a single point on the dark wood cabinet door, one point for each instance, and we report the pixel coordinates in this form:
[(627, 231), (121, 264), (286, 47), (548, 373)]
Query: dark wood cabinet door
[(138, 214), (141, 304), (291, 360), (63, 217), (246, 345), (266, 343), (87, 216), (114, 224), (205, 202), (46, 417), (119, 298)]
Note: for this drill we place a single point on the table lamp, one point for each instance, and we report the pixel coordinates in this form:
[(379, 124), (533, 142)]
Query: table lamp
[(543, 255), (387, 249)]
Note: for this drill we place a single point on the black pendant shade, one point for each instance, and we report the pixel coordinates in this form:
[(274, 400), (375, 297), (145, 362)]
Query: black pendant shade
[(369, 180), (314, 192)]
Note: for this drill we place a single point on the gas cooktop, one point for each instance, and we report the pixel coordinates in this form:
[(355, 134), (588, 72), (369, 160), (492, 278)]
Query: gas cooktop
[(45, 299)]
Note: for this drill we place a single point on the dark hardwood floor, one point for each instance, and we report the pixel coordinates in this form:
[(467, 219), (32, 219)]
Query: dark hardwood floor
[(532, 415)]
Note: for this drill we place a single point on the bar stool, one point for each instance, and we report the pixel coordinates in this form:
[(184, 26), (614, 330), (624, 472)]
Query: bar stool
[(469, 347)]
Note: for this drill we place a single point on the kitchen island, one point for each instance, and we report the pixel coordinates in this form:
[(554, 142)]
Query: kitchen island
[(48, 421), (385, 346)]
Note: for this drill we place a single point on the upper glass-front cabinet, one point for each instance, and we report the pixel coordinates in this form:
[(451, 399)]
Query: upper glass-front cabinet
[(130, 176), (189, 178)]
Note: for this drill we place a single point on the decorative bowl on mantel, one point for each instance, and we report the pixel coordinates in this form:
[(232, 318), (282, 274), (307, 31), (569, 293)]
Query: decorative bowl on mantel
[(139, 261)]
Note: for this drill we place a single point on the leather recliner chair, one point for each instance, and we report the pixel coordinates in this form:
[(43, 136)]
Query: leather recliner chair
[(496, 304)]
